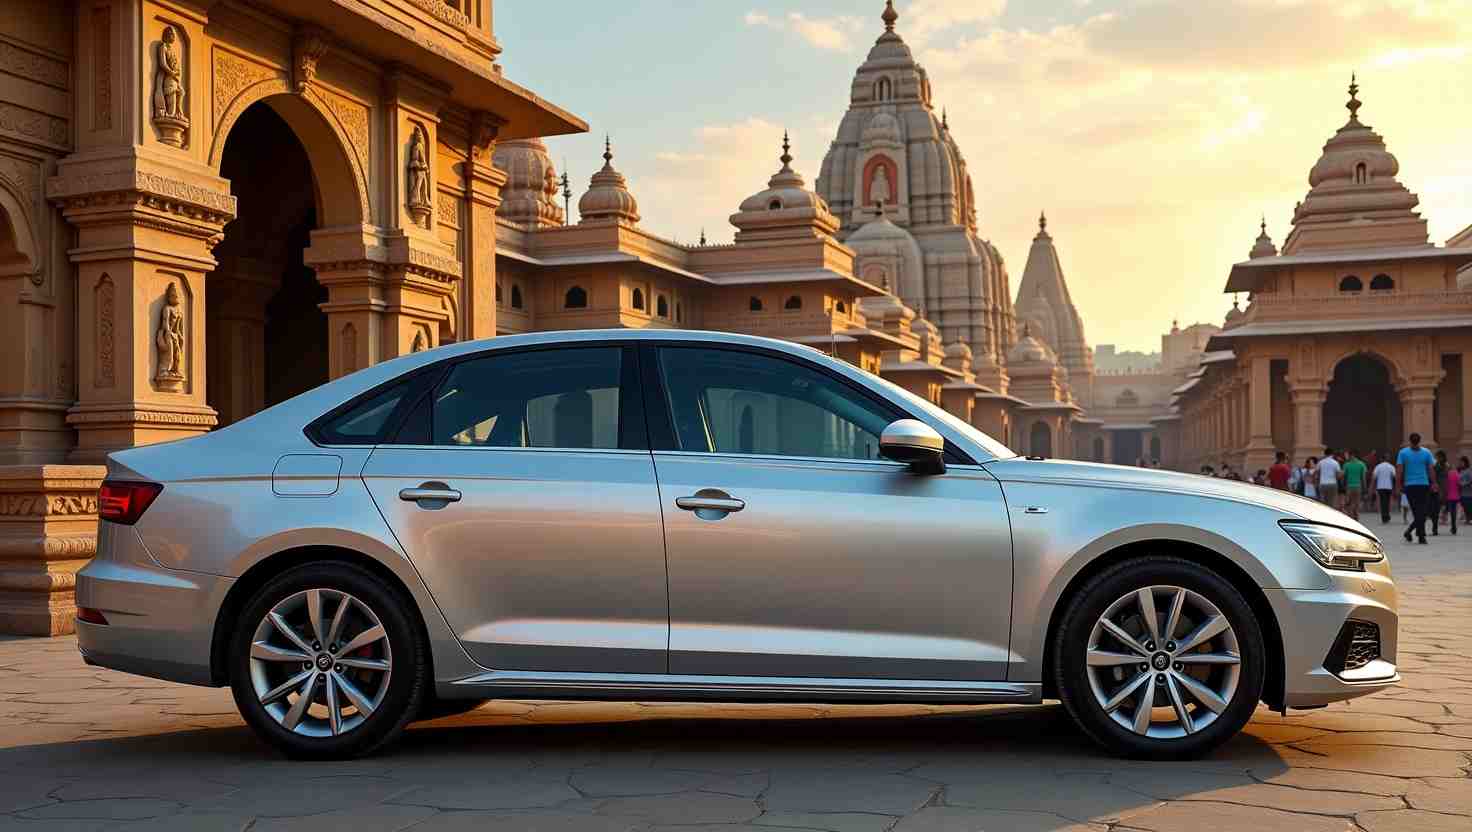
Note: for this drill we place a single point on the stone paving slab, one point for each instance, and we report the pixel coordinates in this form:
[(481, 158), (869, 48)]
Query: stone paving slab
[(96, 751)]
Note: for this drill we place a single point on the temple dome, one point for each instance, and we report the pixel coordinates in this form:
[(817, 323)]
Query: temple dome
[(785, 207), (887, 256), (1029, 349), (608, 196), (530, 194), (959, 349), (890, 46), (1263, 246)]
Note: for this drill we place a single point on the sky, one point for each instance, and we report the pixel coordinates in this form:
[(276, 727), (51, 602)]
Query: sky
[(1154, 133)]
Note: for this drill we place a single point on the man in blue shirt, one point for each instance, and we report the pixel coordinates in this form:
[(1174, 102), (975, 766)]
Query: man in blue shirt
[(1414, 465)]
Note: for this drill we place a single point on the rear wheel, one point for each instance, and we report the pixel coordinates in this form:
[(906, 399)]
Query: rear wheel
[(1159, 657), (327, 662)]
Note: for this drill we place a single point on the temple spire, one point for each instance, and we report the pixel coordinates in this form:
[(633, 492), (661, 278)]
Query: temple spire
[(890, 15), (786, 156), (607, 150), (1353, 105), (1043, 222)]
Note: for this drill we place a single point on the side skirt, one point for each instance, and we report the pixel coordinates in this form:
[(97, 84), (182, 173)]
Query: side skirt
[(518, 684)]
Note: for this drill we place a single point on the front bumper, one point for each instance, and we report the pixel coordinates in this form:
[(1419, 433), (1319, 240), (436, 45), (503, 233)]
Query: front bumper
[(1310, 621), (160, 622)]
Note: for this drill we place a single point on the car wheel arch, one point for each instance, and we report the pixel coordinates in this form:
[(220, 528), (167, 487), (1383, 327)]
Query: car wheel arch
[(260, 573), (1228, 569)]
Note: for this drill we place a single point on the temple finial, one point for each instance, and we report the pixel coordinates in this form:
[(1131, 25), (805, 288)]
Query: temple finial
[(786, 156), (702, 236), (1042, 221), (945, 122), (607, 149), (1264, 225), (890, 15), (1353, 105)]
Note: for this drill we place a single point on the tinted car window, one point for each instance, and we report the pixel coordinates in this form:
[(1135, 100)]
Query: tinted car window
[(562, 398), (727, 401), (364, 422)]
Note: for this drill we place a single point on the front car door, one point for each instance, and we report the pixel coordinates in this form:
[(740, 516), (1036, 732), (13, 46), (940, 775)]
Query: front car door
[(522, 488), (795, 551)]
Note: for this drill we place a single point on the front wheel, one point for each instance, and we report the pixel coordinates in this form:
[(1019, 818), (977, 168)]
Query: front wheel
[(327, 662), (1159, 657)]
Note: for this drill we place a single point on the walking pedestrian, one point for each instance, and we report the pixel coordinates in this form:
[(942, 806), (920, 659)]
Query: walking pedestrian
[(1329, 471), (1451, 492), (1280, 474), (1415, 472), (1310, 474), (1433, 496), (1384, 476), (1354, 483)]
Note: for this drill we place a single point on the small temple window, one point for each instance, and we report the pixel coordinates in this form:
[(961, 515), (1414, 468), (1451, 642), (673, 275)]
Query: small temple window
[(1351, 284), (755, 304), (577, 298), (793, 302), (516, 302), (841, 308), (1361, 173), (662, 306), (883, 89), (639, 299), (1382, 283), (774, 205)]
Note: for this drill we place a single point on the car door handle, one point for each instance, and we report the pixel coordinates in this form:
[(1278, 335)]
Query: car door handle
[(710, 502), (432, 492)]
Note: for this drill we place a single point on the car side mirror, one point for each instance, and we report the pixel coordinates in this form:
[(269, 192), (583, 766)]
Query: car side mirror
[(916, 444)]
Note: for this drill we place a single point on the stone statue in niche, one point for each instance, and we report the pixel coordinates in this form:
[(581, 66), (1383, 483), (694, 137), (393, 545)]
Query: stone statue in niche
[(169, 115), (170, 342), (420, 202), (879, 188)]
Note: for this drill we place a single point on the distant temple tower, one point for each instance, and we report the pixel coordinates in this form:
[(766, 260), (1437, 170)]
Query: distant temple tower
[(894, 156), (1044, 303)]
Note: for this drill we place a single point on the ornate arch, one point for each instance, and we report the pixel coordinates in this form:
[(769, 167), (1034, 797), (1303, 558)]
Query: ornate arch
[(332, 128), (1398, 376), (19, 253)]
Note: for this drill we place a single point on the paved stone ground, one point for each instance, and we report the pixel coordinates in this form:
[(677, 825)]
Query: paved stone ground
[(89, 749)]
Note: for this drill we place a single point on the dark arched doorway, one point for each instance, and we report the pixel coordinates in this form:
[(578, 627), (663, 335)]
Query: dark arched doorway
[(1362, 410), (1129, 447), (1041, 440), (267, 335)]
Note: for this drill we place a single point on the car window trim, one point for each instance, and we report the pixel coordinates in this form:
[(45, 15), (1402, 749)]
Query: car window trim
[(418, 382), (661, 421)]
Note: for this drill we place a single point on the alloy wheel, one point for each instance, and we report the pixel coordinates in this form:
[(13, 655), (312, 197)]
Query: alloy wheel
[(320, 662), (1163, 662)]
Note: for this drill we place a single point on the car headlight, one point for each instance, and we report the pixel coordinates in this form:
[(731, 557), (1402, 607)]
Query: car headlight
[(1336, 548)]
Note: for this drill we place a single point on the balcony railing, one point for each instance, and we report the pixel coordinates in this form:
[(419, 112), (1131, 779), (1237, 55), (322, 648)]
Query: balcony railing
[(1390, 303)]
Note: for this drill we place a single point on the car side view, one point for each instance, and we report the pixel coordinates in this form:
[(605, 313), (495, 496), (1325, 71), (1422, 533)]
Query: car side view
[(671, 515)]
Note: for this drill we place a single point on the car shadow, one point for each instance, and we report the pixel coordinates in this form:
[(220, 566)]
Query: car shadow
[(782, 759)]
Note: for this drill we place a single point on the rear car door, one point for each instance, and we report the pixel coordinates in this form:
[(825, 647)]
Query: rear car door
[(522, 488), (795, 551)]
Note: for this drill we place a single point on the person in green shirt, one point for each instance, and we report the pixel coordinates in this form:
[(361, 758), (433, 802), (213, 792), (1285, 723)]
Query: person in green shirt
[(1354, 482)]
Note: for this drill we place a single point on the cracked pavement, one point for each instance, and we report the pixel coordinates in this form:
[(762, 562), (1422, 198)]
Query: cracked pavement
[(90, 749)]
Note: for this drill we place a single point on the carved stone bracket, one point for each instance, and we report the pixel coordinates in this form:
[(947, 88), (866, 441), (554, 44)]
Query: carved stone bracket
[(307, 48)]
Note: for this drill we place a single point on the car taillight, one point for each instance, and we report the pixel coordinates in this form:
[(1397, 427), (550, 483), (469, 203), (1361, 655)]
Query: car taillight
[(125, 502)]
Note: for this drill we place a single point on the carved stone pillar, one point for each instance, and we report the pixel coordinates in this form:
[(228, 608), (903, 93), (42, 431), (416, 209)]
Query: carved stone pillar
[(1308, 421), (385, 295), (144, 234), (1259, 403), (1418, 407), (483, 184), (236, 336), (48, 530)]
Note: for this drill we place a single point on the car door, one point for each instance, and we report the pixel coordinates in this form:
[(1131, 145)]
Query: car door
[(794, 550), (523, 490)]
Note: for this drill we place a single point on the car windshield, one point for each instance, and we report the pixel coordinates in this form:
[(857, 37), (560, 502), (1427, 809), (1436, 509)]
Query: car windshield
[(996, 449)]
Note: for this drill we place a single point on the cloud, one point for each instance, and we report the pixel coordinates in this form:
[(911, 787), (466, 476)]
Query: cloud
[(828, 33), (924, 20)]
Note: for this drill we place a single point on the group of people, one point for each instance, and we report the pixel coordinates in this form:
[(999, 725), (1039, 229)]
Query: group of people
[(1427, 486)]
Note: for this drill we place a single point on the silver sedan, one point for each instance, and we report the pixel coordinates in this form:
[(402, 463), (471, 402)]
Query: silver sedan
[(698, 516)]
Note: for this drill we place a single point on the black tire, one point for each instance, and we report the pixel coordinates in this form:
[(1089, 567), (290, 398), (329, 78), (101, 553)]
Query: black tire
[(433, 707), (407, 684), (1084, 609)]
